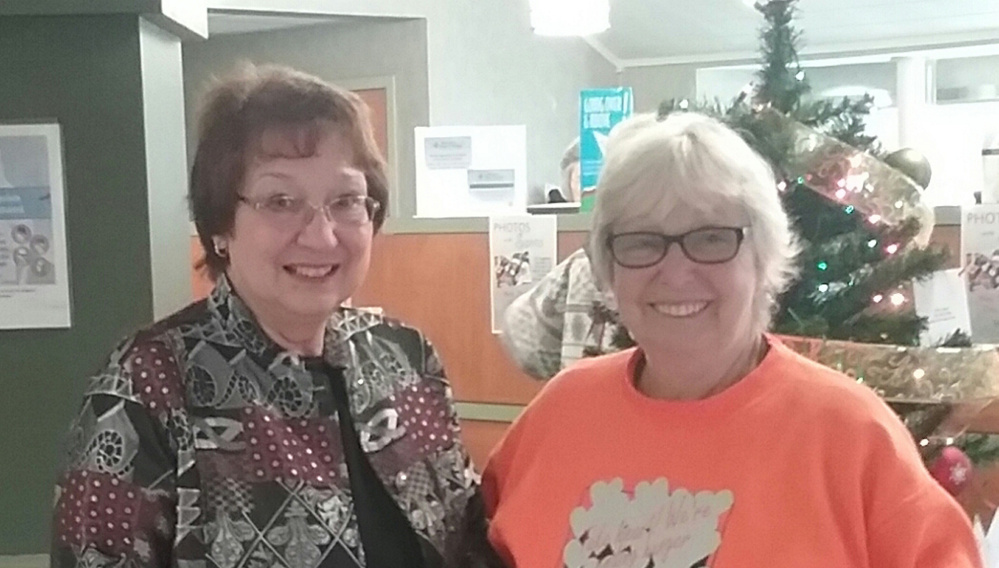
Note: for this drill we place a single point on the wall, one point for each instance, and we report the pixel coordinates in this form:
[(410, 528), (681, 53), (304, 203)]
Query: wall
[(83, 72), (166, 166), (653, 85), (407, 8), (488, 67), (484, 67), (953, 141), (726, 81), (394, 48), (971, 78), (868, 77)]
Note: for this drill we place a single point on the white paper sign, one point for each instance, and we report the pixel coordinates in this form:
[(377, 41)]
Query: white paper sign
[(522, 250), (980, 269), (943, 301), (991, 547), (448, 152), (471, 171), (34, 278)]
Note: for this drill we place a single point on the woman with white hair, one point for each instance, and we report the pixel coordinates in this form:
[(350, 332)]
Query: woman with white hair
[(710, 443)]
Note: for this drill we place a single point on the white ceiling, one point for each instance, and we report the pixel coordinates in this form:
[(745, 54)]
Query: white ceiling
[(644, 30), (669, 31)]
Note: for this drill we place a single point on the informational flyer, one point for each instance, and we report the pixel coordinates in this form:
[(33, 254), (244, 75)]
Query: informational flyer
[(599, 111), (471, 171), (980, 269), (943, 300), (522, 249), (34, 279)]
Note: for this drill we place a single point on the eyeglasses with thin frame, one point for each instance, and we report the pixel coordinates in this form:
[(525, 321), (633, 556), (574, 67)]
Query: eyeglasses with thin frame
[(289, 211), (706, 245)]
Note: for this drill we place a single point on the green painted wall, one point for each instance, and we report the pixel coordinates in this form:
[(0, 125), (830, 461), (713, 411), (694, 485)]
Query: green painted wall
[(85, 72)]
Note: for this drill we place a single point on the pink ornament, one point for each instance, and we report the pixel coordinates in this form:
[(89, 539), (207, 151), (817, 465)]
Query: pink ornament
[(952, 469)]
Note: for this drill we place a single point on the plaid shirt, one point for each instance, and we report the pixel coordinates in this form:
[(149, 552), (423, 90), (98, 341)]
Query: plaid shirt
[(202, 444)]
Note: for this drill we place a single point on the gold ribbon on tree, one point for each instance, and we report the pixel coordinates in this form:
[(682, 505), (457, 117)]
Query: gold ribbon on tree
[(912, 374), (851, 177)]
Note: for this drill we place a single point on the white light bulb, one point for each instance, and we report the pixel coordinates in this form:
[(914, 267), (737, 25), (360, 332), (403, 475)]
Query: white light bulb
[(569, 17), (897, 299)]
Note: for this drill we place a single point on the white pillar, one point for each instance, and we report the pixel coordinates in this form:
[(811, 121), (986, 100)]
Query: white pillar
[(915, 89)]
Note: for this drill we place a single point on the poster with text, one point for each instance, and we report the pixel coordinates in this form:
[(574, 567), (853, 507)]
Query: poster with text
[(943, 300), (34, 279), (599, 111), (980, 269), (522, 250)]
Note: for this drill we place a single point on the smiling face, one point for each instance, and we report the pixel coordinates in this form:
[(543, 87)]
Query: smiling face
[(298, 271), (681, 308)]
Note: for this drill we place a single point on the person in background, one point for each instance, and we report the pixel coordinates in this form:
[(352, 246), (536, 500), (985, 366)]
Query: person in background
[(569, 168), (709, 443), (267, 425), (552, 325), (561, 319)]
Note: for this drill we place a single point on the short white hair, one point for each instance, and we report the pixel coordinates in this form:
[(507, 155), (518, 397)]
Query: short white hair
[(653, 164)]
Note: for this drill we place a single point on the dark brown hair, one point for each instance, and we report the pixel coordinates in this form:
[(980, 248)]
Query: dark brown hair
[(264, 112)]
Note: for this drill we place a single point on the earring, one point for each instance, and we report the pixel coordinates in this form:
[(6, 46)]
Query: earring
[(219, 249)]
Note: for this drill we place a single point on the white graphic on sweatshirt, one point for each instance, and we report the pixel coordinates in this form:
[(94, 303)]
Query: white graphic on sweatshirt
[(673, 530)]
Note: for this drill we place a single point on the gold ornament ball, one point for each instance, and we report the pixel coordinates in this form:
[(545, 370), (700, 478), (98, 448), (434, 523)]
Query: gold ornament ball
[(911, 163)]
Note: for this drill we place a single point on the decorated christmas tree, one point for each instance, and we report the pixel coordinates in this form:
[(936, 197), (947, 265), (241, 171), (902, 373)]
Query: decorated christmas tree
[(865, 236), (857, 216)]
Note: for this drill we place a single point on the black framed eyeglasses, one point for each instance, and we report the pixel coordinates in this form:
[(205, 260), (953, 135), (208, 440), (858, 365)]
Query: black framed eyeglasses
[(707, 245), (288, 211)]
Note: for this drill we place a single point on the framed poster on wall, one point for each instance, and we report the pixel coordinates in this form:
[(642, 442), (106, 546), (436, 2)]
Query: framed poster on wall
[(34, 275)]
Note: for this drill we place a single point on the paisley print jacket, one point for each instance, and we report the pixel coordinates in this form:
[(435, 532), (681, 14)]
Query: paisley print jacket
[(202, 444)]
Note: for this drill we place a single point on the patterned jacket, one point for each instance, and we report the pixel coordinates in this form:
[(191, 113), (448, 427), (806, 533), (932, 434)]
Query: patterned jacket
[(202, 444)]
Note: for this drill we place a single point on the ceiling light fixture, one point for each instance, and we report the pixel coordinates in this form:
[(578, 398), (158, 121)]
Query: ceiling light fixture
[(570, 17)]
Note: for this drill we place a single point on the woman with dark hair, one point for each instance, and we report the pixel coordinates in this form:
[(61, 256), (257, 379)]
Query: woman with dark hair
[(268, 425)]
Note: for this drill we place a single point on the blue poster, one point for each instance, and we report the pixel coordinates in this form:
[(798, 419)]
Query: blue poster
[(599, 111)]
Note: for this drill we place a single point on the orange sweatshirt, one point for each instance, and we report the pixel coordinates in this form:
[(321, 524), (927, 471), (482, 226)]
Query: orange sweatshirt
[(794, 466)]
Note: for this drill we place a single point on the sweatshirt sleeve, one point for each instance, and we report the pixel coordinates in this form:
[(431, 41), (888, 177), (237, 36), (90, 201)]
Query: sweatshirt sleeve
[(926, 530), (912, 522)]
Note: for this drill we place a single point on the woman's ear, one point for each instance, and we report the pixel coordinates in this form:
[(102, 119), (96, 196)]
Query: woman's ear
[(221, 246)]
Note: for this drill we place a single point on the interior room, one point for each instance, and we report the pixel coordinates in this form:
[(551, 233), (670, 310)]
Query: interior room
[(122, 81)]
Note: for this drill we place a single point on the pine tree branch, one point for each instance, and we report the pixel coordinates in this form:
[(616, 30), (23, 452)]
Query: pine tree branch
[(782, 83), (901, 328), (982, 449)]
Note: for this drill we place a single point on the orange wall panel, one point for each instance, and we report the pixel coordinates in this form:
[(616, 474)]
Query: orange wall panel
[(480, 437), (440, 284)]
